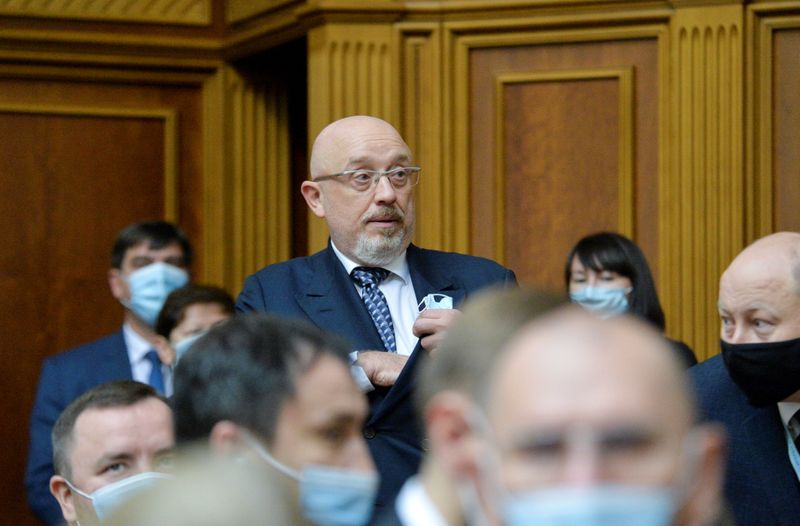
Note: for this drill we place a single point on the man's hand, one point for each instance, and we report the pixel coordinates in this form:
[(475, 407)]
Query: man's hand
[(431, 326), (382, 368)]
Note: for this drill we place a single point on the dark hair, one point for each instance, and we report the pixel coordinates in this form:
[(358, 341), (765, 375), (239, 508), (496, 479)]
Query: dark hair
[(611, 251), (119, 393), (174, 309), (244, 371), (158, 234)]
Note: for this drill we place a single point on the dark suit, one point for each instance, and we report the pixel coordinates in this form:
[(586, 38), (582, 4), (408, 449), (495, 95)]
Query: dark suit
[(761, 485), (64, 378), (317, 288)]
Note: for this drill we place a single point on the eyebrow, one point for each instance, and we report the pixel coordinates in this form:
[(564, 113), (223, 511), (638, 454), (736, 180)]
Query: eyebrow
[(362, 159), (111, 458)]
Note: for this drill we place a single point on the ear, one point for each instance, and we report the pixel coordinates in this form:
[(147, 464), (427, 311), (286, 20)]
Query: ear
[(65, 497), (313, 196), (165, 351), (117, 284), (705, 502), (450, 434), (224, 438)]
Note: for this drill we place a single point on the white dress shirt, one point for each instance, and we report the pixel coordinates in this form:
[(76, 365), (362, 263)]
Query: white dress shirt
[(400, 297), (415, 508), (138, 347), (792, 429)]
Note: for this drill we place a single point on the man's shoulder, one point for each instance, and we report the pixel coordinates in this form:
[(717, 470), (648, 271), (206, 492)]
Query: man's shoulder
[(110, 343), (294, 265), (717, 394), (453, 259)]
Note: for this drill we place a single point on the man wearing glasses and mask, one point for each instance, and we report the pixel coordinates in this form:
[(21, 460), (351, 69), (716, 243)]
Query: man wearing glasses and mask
[(370, 283)]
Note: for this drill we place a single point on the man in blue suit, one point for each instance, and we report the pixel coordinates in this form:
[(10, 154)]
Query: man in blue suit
[(149, 260), (367, 284), (753, 387)]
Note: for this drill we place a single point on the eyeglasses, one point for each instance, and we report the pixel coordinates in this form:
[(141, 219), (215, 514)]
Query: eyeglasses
[(362, 180)]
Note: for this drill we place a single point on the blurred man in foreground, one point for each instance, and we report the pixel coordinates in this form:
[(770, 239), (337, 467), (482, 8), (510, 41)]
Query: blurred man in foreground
[(573, 421)]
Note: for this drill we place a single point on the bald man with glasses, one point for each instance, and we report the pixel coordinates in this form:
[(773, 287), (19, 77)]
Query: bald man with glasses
[(370, 284)]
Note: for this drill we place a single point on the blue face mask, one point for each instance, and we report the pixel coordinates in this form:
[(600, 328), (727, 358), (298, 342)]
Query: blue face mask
[(604, 505), (182, 346), (109, 498), (329, 496), (149, 287), (603, 301)]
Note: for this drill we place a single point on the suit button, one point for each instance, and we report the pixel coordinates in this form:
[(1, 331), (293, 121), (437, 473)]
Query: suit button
[(369, 433)]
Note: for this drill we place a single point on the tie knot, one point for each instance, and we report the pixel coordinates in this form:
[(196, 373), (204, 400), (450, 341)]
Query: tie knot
[(369, 276)]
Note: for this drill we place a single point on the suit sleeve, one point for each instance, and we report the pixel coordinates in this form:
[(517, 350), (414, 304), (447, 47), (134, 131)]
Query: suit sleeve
[(47, 407), (251, 299)]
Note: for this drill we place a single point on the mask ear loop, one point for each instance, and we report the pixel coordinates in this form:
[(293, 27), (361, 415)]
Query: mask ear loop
[(262, 452), (79, 492), (487, 464)]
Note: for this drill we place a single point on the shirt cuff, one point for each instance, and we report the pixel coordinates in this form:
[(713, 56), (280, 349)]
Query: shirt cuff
[(360, 377)]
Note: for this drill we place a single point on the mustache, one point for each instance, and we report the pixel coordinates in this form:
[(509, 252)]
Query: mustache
[(384, 212)]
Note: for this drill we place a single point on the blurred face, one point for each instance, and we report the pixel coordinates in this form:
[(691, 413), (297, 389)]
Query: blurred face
[(321, 425), (111, 444), (567, 412), (759, 301), (198, 318), (139, 256), (371, 227), (582, 277)]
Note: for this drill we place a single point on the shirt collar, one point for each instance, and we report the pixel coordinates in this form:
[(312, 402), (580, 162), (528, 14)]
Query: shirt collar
[(787, 411), (136, 344), (398, 266)]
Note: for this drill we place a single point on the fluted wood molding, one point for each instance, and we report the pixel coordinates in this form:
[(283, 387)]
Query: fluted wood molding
[(190, 12), (350, 72), (419, 57), (258, 170), (703, 192)]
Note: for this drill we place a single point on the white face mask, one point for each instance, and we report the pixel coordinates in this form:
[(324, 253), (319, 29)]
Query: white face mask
[(107, 499)]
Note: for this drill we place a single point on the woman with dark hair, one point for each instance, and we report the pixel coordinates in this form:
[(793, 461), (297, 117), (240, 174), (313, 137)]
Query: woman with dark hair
[(188, 313), (607, 274)]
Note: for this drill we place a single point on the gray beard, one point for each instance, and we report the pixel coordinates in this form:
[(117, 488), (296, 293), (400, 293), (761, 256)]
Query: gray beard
[(379, 251)]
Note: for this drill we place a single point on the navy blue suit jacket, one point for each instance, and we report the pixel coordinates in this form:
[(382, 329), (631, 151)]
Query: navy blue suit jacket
[(761, 486), (317, 288), (64, 378)]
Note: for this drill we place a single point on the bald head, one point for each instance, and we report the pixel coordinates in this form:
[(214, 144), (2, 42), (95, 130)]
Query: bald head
[(613, 382), (343, 143), (759, 296)]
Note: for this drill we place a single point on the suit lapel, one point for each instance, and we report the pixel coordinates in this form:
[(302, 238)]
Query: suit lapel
[(117, 363), (766, 445), (427, 279), (331, 302)]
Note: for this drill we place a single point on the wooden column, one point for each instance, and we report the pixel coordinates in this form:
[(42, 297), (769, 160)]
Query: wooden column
[(702, 212)]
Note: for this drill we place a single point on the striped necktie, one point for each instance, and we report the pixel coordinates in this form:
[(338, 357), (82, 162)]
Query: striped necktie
[(369, 278)]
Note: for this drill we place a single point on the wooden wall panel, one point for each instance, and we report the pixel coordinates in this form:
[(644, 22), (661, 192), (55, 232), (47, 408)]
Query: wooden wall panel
[(79, 161), (559, 169), (571, 147), (786, 138)]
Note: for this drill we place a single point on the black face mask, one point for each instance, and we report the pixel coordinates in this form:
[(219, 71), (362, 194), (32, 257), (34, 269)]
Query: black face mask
[(767, 372)]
